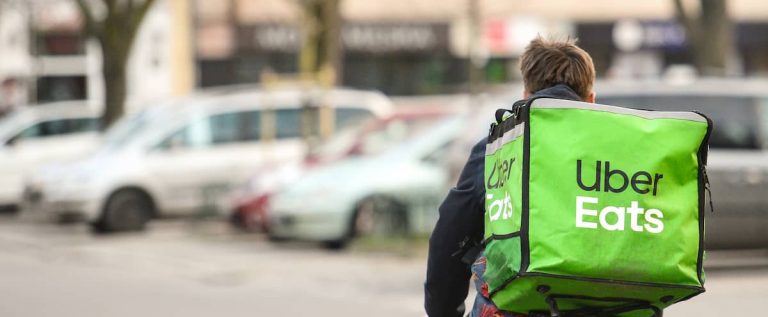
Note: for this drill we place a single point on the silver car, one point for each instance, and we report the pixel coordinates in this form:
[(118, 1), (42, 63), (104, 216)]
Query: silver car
[(34, 135), (738, 161), (395, 192), (181, 158)]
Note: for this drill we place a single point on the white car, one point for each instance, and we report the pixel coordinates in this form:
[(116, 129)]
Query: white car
[(182, 158), (249, 203), (35, 135), (393, 193)]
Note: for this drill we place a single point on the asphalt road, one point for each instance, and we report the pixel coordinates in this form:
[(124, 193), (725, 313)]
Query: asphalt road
[(202, 268)]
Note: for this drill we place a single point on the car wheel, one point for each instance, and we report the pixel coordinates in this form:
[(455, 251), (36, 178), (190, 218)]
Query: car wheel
[(68, 218), (126, 210), (237, 220), (336, 245), (379, 216)]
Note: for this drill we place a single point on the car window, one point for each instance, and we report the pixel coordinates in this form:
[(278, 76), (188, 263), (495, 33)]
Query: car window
[(84, 125), (290, 120), (347, 117), (736, 121), (218, 129), (288, 123), (394, 133), (195, 135), (59, 127), (252, 125), (133, 127), (440, 155), (225, 127)]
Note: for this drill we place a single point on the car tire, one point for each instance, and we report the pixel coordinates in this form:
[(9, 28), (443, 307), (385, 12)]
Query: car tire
[(379, 216), (336, 245), (68, 218), (237, 221), (126, 210)]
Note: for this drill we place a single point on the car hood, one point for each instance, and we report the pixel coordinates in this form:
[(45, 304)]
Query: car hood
[(90, 168), (347, 174)]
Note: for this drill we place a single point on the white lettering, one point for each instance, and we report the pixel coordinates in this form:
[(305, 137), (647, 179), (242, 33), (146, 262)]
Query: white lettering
[(507, 207), (581, 212), (634, 211), (499, 208), (495, 209), (619, 212), (653, 219)]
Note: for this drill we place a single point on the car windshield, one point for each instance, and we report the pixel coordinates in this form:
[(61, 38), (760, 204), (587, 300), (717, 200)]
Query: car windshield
[(11, 124), (373, 137), (128, 128), (736, 118)]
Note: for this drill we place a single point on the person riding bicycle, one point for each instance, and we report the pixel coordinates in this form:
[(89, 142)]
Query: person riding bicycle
[(550, 68)]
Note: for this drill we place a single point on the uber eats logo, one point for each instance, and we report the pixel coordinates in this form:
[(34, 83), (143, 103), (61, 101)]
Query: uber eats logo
[(591, 214), (500, 207)]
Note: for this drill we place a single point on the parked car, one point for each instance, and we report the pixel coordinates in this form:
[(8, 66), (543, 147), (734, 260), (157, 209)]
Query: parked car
[(250, 202), (181, 158), (395, 192), (738, 158), (38, 134)]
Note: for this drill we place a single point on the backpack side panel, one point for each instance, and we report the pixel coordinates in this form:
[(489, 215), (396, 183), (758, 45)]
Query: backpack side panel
[(503, 203)]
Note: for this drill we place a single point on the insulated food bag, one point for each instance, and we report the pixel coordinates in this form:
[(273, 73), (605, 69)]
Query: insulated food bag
[(594, 210)]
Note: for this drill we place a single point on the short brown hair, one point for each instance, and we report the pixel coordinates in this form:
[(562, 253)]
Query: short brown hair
[(546, 63)]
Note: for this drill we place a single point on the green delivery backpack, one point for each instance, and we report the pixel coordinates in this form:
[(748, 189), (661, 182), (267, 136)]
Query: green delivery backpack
[(594, 210)]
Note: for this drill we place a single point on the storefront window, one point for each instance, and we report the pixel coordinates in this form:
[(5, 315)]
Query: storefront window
[(58, 88)]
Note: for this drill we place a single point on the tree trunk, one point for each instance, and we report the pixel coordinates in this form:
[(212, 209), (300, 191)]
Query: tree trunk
[(308, 56), (715, 44), (114, 72), (710, 36), (331, 42), (320, 61), (321, 45), (115, 33)]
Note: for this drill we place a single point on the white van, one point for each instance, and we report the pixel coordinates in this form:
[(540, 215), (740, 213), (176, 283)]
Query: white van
[(181, 158), (39, 134)]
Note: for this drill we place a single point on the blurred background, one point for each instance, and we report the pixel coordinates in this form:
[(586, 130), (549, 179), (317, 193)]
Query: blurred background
[(276, 157)]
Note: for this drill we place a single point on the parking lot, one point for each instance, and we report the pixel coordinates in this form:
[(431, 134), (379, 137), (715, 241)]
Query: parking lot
[(188, 267)]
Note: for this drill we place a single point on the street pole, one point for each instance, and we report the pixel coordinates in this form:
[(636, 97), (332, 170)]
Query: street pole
[(475, 48)]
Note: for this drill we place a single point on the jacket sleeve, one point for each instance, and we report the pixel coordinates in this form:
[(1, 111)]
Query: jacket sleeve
[(460, 219)]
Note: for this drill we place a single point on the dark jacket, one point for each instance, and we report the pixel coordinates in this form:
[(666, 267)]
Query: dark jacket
[(460, 226)]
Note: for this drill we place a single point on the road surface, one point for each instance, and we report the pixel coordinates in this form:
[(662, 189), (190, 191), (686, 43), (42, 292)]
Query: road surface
[(203, 268)]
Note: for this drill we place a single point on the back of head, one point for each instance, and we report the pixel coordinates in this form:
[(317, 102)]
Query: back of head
[(546, 63)]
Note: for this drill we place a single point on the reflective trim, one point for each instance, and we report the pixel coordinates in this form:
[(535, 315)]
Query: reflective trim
[(548, 103), (507, 137)]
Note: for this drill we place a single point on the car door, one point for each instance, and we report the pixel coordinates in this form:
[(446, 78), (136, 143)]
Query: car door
[(433, 170), (737, 167), (195, 165), (44, 142), (738, 172), (55, 139), (286, 142)]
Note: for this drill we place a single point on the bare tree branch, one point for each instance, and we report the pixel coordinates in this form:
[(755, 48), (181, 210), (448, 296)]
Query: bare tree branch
[(116, 32), (90, 22), (709, 35), (138, 14), (110, 5), (684, 18)]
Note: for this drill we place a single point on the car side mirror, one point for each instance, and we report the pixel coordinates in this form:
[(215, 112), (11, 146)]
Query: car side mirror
[(12, 141), (173, 144), (356, 150), (431, 159)]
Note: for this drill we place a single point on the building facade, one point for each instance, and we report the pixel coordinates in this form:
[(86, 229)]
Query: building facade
[(407, 47), (46, 53)]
